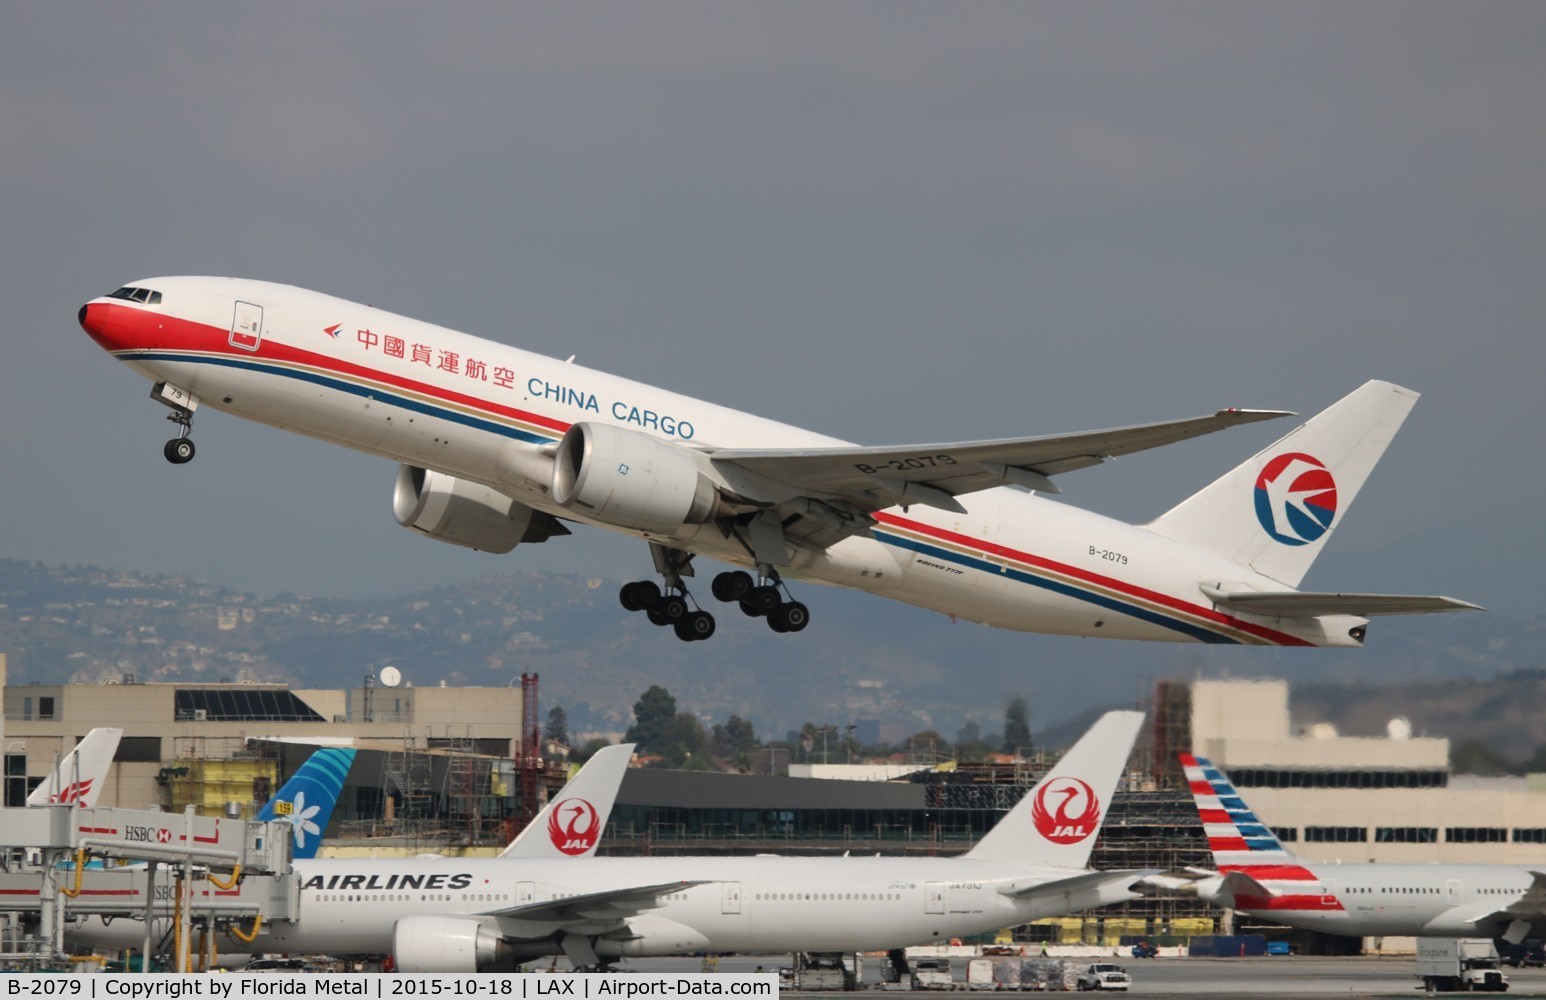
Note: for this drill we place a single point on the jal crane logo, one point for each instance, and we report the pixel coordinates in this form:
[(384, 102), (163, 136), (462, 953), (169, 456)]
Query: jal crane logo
[(1296, 498), (1066, 811), (574, 826)]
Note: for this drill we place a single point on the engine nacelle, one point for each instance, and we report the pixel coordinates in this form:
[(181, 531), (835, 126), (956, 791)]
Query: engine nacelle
[(469, 514), (445, 944), (631, 480)]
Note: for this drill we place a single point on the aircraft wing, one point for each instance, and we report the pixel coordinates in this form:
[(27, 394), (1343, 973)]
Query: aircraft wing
[(609, 906), (1298, 604), (1532, 905), (934, 474)]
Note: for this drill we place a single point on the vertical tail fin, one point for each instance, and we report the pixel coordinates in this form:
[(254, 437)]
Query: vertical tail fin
[(1235, 836), (1275, 511), (570, 825), (81, 773), (1057, 822), (306, 801)]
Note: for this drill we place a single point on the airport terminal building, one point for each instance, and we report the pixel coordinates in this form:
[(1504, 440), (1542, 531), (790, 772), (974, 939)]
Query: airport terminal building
[(449, 769)]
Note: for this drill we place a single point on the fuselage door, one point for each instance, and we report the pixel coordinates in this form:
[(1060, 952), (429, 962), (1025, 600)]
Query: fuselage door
[(525, 891), (1453, 887), (247, 326), (730, 897), (933, 897), (1329, 894)]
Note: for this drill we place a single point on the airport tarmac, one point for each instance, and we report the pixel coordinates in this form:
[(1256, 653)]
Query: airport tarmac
[(1287, 977)]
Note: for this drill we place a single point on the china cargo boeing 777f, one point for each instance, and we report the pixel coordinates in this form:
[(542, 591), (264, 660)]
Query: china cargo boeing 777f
[(499, 446)]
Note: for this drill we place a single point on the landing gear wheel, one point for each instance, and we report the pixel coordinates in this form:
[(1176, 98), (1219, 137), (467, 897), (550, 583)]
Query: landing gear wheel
[(178, 451), (638, 595), (732, 586), (791, 617), (673, 608), (697, 625), (762, 600)]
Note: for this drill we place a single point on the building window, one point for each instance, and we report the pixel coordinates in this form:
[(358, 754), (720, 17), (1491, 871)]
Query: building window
[(1288, 834), (1530, 835), (45, 708), (139, 750), (1406, 835), (1475, 835), (15, 780), (1335, 834)]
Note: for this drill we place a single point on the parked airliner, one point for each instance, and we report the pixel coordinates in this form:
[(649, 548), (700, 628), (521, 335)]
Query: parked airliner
[(497, 446), (548, 895), (1258, 875), (79, 776)]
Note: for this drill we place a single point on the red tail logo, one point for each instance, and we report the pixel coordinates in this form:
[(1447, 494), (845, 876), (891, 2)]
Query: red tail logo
[(1073, 815), (73, 793), (574, 827)]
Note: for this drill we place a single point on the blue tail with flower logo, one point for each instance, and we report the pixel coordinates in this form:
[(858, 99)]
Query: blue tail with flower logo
[(306, 801)]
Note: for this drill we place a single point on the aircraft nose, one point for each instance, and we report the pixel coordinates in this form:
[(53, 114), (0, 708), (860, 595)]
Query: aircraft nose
[(110, 333)]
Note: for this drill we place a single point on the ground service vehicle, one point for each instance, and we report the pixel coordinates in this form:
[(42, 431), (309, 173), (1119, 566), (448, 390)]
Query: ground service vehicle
[(1449, 964), (1104, 976)]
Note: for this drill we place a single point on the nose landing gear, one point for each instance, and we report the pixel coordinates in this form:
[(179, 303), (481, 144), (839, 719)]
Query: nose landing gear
[(180, 449)]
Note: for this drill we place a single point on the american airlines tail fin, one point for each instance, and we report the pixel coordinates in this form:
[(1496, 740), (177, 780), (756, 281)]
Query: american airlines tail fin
[(1256, 872), (1057, 822), (306, 801), (1236, 837), (81, 773), (1275, 512), (570, 825)]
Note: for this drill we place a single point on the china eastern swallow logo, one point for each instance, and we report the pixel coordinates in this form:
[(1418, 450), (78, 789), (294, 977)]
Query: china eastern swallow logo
[(332, 331), (1066, 811), (1296, 498), (574, 827)]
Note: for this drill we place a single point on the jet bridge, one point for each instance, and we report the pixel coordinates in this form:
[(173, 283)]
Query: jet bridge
[(185, 870)]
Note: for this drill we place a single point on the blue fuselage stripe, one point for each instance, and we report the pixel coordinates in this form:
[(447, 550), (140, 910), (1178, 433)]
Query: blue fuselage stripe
[(1055, 586)]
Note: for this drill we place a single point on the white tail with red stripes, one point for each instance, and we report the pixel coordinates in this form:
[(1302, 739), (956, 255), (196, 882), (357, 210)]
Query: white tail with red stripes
[(79, 776)]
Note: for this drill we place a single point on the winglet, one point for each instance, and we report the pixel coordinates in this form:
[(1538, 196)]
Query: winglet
[(1057, 822), (570, 825)]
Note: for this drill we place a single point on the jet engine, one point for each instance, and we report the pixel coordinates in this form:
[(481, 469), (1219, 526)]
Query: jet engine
[(454, 510), (632, 480), (445, 944)]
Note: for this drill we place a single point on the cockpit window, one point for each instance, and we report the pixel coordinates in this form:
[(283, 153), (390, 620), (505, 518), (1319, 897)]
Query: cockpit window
[(144, 295)]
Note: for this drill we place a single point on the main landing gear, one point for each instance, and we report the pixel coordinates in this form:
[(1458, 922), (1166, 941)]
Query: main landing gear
[(179, 450), (674, 606), (761, 600)]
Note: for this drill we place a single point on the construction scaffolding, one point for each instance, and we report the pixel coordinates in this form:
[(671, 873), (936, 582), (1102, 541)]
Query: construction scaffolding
[(218, 774)]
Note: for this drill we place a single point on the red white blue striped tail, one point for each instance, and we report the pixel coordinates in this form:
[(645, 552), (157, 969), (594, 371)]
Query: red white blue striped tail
[(1242, 844)]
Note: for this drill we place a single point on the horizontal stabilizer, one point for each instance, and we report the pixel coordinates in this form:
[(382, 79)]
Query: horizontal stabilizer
[(1299, 604), (1081, 882)]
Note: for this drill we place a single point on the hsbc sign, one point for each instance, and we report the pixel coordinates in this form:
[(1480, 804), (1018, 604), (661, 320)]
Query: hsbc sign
[(147, 834)]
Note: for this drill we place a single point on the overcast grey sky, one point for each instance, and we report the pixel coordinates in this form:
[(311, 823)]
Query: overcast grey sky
[(891, 222)]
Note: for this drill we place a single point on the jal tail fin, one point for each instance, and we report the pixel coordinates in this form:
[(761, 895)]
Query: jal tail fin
[(81, 773), (1057, 822), (1275, 512), (1236, 837), (570, 825), (306, 801)]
